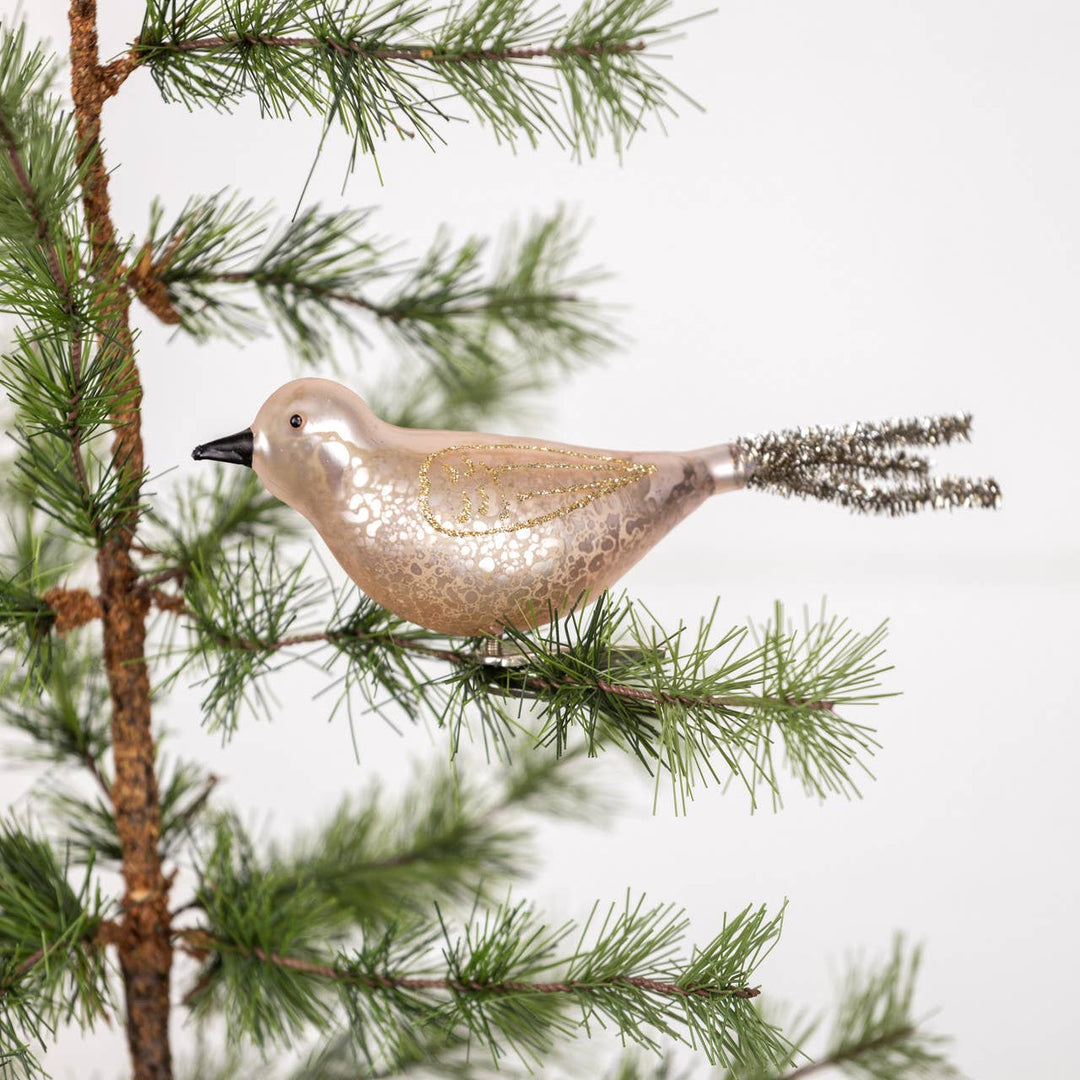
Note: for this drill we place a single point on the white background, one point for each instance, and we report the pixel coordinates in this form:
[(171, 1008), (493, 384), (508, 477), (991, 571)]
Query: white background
[(877, 215)]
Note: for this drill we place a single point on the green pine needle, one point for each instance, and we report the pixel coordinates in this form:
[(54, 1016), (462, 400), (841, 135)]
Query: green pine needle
[(67, 721), (699, 707), (90, 824), (483, 343), (444, 839), (470, 339), (39, 226), (35, 560), (61, 374), (397, 68), (260, 910), (515, 984), (704, 706), (876, 1034), (209, 519), (441, 841), (25, 624), (242, 611), (51, 969)]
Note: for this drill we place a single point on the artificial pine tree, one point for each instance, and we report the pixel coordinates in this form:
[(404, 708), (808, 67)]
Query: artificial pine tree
[(386, 944)]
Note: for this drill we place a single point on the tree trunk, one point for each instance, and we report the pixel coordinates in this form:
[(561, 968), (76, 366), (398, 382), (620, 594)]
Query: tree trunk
[(144, 941)]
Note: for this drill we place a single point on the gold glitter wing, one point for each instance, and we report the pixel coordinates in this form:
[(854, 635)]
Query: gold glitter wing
[(477, 489)]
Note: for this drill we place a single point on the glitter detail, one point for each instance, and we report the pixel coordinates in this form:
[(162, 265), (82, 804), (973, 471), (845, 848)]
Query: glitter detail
[(864, 467), (615, 473), (592, 485)]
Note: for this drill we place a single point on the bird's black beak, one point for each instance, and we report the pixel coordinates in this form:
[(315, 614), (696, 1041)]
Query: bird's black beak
[(236, 449)]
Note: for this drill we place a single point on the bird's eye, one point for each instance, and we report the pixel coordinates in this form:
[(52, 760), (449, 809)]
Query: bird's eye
[(296, 420)]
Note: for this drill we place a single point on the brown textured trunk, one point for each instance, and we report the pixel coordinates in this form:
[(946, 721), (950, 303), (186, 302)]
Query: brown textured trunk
[(143, 942)]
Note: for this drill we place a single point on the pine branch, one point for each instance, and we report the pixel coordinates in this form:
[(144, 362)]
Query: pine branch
[(631, 1067), (373, 863), (706, 706), (62, 382), (383, 69), (303, 270), (503, 987), (35, 559), (67, 720), (445, 840), (415, 53), (32, 205), (57, 379), (38, 181), (852, 1056), (481, 337), (876, 1035), (209, 519), (25, 621), (503, 977), (412, 1054), (250, 597), (51, 966), (700, 707), (485, 344), (89, 825)]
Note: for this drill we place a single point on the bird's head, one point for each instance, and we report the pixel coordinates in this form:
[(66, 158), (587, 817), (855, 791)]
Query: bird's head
[(301, 441)]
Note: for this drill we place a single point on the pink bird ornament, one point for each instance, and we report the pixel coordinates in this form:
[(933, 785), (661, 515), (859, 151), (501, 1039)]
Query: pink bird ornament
[(468, 533)]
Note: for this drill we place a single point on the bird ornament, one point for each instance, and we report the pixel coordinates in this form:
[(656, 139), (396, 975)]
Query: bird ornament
[(467, 533)]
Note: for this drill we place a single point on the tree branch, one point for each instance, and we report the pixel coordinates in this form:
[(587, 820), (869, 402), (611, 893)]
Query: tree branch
[(73, 608), (115, 74), (385, 311), (22, 969), (463, 658), (853, 1053), (98, 775), (416, 54), (105, 933), (202, 943), (367, 71), (18, 168)]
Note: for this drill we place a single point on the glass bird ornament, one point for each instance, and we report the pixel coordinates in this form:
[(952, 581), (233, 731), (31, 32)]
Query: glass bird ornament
[(466, 533)]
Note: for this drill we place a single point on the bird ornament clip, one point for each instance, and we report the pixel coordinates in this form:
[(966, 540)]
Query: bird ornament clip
[(466, 533)]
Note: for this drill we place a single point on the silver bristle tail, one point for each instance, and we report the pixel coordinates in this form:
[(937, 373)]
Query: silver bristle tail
[(863, 467)]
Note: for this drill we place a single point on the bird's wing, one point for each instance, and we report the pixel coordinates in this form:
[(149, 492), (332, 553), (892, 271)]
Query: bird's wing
[(477, 489)]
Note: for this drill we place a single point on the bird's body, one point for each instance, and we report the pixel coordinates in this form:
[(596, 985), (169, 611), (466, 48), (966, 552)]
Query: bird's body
[(467, 533), (456, 564)]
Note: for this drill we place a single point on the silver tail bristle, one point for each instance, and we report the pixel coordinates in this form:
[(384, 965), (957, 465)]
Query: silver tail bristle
[(864, 467)]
